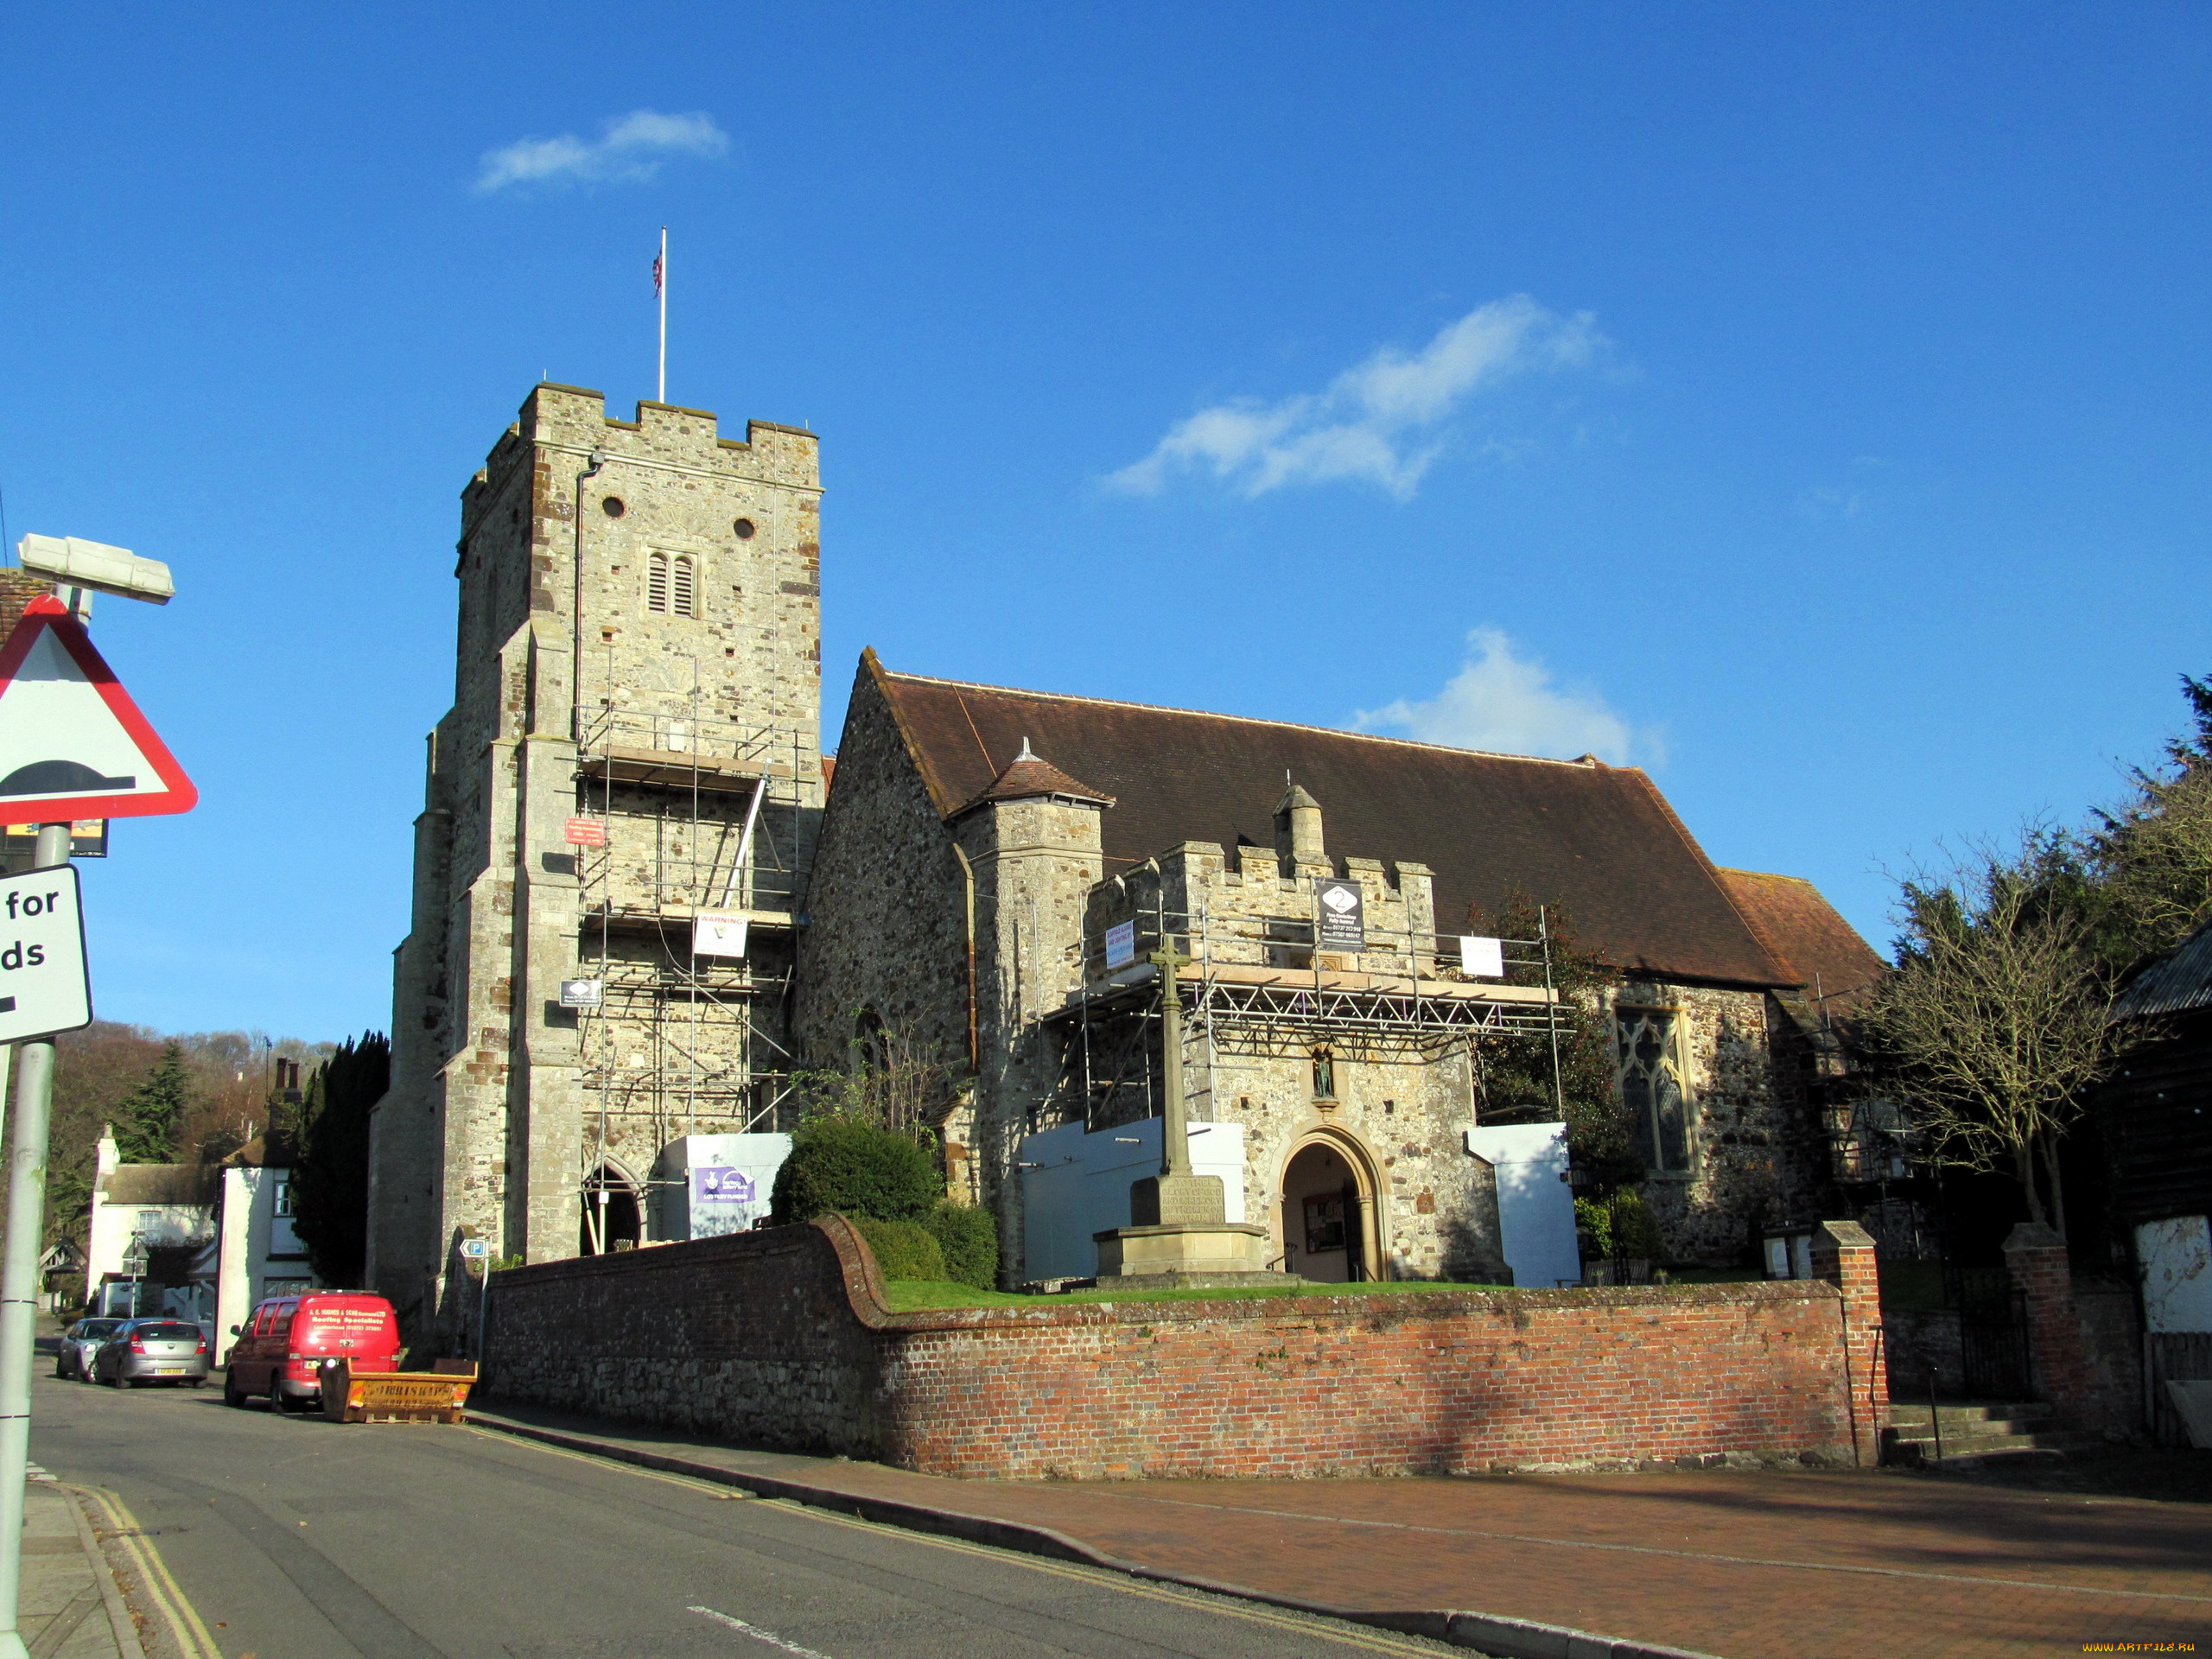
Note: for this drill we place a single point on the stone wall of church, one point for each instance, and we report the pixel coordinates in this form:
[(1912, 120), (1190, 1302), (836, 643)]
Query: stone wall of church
[(1758, 1151), (781, 1338), (888, 908), (1397, 1115)]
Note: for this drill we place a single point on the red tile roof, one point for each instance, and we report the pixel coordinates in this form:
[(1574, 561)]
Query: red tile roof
[(1599, 839), (1823, 951)]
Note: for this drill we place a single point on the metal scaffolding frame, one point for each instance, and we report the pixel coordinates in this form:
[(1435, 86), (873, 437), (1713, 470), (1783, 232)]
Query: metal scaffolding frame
[(683, 805), (1254, 985)]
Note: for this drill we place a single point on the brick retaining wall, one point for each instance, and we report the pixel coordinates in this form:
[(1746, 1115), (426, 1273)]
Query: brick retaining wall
[(780, 1338)]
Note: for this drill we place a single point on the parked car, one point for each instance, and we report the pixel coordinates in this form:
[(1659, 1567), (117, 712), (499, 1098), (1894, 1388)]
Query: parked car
[(78, 1344), (291, 1341), (153, 1350)]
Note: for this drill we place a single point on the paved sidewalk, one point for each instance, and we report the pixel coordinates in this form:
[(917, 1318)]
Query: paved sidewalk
[(1745, 1564), (71, 1606)]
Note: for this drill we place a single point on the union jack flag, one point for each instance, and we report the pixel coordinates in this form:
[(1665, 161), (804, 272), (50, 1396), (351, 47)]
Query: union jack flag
[(656, 259)]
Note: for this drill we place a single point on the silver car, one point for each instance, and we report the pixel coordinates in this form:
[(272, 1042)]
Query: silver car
[(153, 1350), (78, 1344)]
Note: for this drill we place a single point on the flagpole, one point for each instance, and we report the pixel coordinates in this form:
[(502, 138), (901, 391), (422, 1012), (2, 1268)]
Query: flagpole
[(662, 395)]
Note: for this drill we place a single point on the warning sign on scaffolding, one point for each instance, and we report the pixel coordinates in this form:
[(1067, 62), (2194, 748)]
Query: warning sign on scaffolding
[(717, 935), (1344, 914), (586, 832), (1121, 945)]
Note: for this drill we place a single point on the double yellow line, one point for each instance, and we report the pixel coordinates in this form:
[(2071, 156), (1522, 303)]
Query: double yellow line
[(162, 1589)]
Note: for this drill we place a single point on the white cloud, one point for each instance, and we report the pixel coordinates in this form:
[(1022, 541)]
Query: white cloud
[(631, 149), (1381, 422), (1506, 702)]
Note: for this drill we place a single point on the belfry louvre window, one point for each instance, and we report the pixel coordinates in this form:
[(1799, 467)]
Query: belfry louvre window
[(1648, 1065), (671, 586)]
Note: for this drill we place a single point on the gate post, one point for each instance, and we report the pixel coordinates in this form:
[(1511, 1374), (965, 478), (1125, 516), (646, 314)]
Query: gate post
[(1843, 1253), (2035, 1257)]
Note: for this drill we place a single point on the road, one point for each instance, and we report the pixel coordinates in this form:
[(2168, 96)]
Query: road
[(296, 1538)]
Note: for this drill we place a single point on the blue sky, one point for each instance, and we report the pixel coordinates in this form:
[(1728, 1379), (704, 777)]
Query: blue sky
[(1807, 403)]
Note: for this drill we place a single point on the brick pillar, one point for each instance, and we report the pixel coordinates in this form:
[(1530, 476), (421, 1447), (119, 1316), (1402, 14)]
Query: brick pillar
[(1843, 1253), (2035, 1255)]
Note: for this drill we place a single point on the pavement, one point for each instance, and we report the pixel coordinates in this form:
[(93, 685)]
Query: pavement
[(71, 1602), (1748, 1564)]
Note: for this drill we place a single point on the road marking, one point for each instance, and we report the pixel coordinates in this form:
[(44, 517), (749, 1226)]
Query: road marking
[(1101, 1577), (757, 1633), (163, 1590)]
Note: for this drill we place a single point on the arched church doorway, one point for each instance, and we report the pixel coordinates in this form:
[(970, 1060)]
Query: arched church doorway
[(1328, 1212), (611, 1219)]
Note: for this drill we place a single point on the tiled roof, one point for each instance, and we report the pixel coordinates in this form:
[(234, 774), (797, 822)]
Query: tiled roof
[(163, 1184), (1822, 950), (1599, 839), (1028, 777)]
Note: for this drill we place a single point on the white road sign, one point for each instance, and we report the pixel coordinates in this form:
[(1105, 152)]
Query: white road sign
[(44, 987)]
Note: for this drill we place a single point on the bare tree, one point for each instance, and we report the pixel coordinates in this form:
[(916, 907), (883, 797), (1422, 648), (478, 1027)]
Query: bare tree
[(1995, 1023)]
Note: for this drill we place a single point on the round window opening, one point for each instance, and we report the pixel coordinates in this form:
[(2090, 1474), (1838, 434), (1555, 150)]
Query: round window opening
[(613, 506), (744, 528)]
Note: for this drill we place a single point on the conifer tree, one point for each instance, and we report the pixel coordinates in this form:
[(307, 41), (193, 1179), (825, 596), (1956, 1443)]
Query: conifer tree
[(151, 1113), (330, 1181)]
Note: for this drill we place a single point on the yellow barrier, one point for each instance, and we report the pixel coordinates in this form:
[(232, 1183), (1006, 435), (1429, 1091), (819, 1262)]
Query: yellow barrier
[(351, 1396)]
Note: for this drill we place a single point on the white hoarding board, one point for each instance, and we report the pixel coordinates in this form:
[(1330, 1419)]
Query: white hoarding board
[(1482, 958), (1121, 945), (44, 987)]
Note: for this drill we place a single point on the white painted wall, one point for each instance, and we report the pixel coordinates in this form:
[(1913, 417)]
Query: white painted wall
[(1079, 1185), (2176, 1261), (1535, 1207), (681, 1206), (258, 1255)]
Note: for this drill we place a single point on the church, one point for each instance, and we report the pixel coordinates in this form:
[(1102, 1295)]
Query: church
[(647, 910)]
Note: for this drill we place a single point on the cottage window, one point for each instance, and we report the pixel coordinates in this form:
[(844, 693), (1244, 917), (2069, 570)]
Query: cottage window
[(282, 1204), (1648, 1065)]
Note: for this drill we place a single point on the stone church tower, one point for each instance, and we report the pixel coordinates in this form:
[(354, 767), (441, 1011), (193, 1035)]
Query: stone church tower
[(634, 741)]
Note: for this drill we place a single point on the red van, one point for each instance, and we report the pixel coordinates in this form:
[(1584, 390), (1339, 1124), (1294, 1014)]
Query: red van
[(284, 1348)]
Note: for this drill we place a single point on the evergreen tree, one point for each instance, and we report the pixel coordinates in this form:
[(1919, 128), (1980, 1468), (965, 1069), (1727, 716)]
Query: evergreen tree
[(150, 1115), (330, 1181)]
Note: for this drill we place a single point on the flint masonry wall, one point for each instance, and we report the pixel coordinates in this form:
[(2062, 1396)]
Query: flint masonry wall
[(780, 1338)]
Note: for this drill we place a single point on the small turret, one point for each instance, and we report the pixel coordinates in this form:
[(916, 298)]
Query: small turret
[(1298, 826)]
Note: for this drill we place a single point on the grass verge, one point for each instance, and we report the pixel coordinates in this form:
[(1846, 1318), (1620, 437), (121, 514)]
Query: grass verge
[(916, 1295)]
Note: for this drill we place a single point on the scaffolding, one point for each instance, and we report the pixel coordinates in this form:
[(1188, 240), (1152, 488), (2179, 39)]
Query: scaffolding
[(1263, 985), (684, 816)]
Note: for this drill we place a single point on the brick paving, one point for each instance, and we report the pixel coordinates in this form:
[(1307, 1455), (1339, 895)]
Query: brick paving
[(1747, 1564)]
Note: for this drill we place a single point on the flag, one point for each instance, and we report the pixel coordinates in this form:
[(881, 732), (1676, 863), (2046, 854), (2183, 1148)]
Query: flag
[(656, 259)]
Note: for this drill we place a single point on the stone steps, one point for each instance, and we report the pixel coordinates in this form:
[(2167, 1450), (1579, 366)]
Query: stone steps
[(1974, 1435)]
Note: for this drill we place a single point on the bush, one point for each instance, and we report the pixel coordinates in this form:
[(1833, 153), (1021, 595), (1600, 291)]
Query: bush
[(1594, 1217), (969, 1237), (846, 1166), (1636, 1231), (903, 1251)]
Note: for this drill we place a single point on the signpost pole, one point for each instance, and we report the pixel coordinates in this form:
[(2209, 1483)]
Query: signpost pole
[(19, 1258)]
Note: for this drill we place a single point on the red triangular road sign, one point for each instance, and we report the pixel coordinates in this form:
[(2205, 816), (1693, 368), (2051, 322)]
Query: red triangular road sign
[(73, 745)]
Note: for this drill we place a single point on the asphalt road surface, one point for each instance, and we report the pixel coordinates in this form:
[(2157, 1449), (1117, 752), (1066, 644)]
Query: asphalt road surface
[(296, 1538)]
